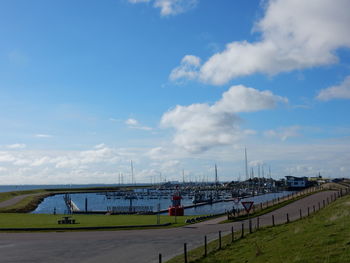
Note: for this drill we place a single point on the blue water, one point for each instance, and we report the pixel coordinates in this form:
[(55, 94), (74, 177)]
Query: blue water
[(221, 207), (9, 188), (99, 202)]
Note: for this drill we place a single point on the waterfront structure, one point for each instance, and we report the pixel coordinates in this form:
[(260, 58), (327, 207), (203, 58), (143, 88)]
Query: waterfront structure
[(297, 182)]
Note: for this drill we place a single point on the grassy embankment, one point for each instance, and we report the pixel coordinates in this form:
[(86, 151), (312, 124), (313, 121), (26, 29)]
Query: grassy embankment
[(17, 220), (283, 201), (322, 237), (34, 197)]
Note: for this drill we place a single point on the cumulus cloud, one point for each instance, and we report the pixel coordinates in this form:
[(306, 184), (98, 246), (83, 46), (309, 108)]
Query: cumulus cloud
[(199, 127), (341, 91), (244, 99), (188, 68), (283, 133), (295, 34), (170, 7)]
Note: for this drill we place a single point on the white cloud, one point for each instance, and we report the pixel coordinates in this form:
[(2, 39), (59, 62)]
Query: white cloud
[(41, 161), (102, 164), (341, 91), (16, 146), (296, 34), (170, 7), (188, 68), (200, 127), (6, 157), (157, 153), (99, 146), (131, 122), (134, 124), (283, 133), (244, 99)]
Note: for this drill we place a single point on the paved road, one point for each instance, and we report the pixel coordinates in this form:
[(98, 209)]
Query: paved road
[(130, 245)]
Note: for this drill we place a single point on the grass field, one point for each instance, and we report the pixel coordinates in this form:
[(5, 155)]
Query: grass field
[(18, 220), (322, 237)]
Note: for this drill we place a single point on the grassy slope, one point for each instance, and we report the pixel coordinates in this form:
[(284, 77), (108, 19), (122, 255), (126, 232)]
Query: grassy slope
[(16, 220), (323, 237), (9, 195), (30, 202)]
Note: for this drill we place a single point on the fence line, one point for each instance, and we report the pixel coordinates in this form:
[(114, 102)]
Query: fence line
[(333, 198)]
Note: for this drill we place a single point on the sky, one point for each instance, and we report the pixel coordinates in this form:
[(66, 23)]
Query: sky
[(176, 86)]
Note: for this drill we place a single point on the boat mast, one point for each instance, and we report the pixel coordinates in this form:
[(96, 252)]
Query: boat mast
[(132, 173), (246, 164)]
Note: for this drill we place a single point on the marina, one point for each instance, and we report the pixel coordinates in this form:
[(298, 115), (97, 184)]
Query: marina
[(146, 201)]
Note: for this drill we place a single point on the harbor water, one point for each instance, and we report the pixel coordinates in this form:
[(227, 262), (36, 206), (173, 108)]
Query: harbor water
[(143, 197)]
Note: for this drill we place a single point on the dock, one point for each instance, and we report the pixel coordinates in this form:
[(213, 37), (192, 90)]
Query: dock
[(71, 206)]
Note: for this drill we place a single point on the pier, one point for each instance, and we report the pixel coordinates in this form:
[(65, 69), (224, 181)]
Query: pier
[(71, 206)]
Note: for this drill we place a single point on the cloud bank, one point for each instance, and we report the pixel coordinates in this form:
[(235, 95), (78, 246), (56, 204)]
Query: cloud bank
[(295, 34)]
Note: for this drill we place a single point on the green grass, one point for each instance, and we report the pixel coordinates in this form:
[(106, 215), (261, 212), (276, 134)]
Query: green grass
[(322, 237), (9, 195), (18, 220)]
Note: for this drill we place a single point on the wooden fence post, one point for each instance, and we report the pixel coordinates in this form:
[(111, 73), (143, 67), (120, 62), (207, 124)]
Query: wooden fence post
[(205, 246), (242, 233), (219, 239), (185, 252), (232, 235), (273, 220), (301, 216)]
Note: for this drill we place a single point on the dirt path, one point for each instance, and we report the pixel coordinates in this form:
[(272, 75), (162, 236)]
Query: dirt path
[(131, 245)]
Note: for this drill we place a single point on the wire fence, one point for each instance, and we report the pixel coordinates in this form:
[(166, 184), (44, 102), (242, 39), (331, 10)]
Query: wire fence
[(253, 224)]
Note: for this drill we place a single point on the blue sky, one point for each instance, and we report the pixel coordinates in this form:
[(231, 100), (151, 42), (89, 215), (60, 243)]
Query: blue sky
[(86, 86)]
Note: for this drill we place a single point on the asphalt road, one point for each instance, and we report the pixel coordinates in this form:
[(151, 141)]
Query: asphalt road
[(130, 246)]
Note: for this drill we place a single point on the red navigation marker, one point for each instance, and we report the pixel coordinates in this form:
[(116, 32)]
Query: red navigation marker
[(247, 205)]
